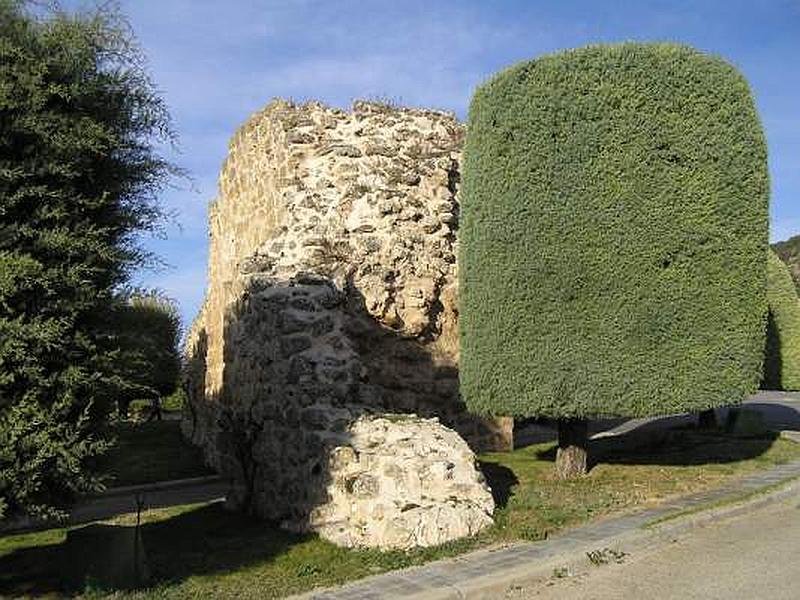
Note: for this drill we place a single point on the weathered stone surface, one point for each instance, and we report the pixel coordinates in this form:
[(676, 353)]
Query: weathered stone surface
[(402, 482), (332, 296)]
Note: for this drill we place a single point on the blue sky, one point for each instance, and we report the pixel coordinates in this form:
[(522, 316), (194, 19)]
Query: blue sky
[(217, 62)]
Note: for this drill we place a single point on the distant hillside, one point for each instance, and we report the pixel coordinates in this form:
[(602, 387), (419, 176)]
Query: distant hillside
[(789, 251)]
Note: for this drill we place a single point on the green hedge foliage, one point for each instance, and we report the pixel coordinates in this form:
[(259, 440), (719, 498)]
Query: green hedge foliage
[(782, 356), (614, 222), (789, 252)]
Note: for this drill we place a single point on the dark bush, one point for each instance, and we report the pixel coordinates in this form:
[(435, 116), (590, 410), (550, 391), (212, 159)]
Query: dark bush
[(148, 329), (613, 231)]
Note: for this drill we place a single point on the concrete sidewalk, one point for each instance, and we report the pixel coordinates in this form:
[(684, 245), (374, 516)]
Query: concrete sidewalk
[(497, 572), (122, 500)]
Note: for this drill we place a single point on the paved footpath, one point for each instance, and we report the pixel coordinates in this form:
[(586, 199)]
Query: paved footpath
[(756, 555), (123, 500), (516, 569)]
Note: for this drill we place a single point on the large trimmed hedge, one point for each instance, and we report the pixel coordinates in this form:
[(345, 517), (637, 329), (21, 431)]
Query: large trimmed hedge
[(782, 356), (614, 224)]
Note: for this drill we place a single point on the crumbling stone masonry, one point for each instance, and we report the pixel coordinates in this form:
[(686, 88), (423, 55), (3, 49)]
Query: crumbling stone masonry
[(331, 303)]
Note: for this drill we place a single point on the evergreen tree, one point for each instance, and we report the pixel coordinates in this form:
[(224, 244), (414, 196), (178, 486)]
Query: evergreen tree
[(79, 178), (614, 222)]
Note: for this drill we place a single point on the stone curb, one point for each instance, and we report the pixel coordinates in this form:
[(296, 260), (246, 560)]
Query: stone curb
[(735, 506), (494, 572), (789, 434), (156, 486)]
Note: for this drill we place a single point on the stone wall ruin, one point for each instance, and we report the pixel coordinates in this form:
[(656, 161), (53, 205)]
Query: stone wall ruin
[(331, 305)]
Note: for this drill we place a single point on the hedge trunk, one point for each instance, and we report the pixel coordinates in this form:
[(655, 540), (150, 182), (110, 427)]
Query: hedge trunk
[(707, 419), (573, 448)]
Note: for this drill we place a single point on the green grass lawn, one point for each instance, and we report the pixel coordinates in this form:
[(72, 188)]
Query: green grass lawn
[(149, 452), (139, 410), (202, 551)]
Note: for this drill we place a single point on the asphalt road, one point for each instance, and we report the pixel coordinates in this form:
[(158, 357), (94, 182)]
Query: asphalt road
[(753, 556), (780, 410)]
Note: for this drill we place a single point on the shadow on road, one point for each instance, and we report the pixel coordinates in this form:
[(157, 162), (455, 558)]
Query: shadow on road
[(777, 416)]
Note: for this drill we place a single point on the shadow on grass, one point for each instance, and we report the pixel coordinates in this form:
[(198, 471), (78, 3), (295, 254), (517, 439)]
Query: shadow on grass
[(203, 541), (501, 480), (674, 440), (32, 571), (210, 540), (683, 446), (150, 452)]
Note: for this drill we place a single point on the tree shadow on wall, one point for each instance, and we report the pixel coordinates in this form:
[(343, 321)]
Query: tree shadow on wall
[(194, 379), (290, 390), (273, 423), (409, 374)]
